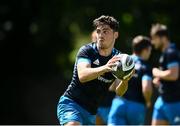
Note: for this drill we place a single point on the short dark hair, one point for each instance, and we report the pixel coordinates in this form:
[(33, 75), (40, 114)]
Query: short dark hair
[(159, 30), (107, 20), (139, 43)]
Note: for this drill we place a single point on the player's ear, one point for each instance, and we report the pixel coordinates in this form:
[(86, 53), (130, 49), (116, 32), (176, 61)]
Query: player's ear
[(116, 34)]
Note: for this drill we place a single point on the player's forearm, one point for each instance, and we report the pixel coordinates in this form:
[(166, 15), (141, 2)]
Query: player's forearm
[(88, 74), (168, 75), (121, 88), (147, 90)]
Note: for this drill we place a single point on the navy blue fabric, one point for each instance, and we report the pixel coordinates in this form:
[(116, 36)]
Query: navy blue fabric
[(90, 94), (170, 90)]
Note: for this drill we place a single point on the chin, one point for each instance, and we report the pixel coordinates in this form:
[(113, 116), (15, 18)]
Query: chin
[(101, 45)]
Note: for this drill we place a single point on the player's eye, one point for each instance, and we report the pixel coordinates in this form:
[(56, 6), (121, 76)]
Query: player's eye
[(105, 31), (98, 31)]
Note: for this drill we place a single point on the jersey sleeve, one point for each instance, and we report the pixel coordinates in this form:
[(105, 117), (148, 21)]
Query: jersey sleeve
[(83, 55), (172, 59), (147, 73)]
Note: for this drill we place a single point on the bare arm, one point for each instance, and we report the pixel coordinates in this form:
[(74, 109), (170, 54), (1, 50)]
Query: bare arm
[(86, 73), (171, 74), (120, 87), (147, 91)]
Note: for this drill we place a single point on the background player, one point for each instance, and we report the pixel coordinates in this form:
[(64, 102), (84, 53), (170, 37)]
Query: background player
[(131, 108), (166, 77), (92, 76)]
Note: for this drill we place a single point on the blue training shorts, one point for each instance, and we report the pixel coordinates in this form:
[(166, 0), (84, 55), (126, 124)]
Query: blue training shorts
[(103, 112), (125, 112), (68, 111), (167, 111)]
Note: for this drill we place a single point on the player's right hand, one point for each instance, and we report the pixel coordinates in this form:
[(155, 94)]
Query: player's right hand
[(156, 81), (112, 63)]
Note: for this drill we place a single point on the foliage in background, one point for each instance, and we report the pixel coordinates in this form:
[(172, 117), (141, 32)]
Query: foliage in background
[(39, 40)]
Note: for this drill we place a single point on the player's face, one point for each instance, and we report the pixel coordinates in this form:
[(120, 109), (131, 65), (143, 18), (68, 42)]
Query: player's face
[(156, 42), (105, 37)]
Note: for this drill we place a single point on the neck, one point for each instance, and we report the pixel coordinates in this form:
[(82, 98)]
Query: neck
[(165, 46)]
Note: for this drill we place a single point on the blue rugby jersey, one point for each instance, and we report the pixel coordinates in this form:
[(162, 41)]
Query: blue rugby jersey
[(170, 90), (90, 94), (142, 72)]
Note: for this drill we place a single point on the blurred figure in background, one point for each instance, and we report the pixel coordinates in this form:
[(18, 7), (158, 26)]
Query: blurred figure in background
[(166, 78), (131, 108)]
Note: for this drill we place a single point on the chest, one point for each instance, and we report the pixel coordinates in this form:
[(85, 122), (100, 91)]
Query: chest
[(97, 61)]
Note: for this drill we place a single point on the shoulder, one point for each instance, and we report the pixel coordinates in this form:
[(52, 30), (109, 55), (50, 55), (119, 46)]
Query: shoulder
[(172, 50), (88, 47), (86, 51), (142, 65), (172, 54), (116, 51)]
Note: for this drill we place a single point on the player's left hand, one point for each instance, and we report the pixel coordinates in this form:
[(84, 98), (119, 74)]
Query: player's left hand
[(156, 81)]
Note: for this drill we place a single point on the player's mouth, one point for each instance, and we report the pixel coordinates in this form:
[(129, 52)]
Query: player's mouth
[(101, 40)]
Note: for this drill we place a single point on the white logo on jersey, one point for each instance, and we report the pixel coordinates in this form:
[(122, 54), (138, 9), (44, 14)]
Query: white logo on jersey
[(100, 78), (69, 114), (96, 62)]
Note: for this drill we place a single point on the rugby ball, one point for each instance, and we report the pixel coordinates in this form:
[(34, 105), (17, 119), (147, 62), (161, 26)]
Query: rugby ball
[(124, 67)]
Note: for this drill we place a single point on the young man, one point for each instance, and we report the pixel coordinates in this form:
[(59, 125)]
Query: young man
[(92, 76), (131, 108), (166, 78)]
